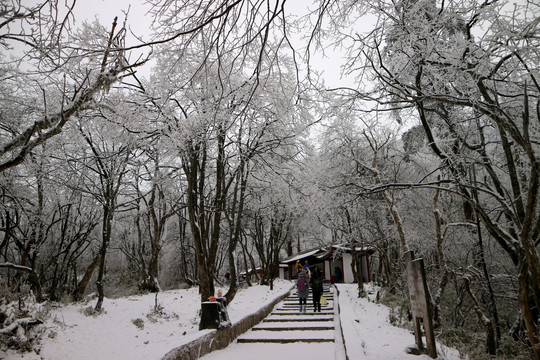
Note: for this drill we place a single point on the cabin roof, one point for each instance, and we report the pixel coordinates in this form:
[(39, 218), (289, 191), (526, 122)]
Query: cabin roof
[(302, 255), (324, 253)]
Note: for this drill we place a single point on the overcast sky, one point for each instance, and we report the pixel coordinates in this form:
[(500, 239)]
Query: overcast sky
[(139, 22)]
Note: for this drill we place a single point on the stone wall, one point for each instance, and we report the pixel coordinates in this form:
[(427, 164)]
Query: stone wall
[(221, 338)]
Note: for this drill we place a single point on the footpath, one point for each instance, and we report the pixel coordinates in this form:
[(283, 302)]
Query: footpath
[(361, 325), (287, 333)]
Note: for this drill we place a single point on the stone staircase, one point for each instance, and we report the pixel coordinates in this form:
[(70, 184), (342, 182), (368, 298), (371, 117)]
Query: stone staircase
[(286, 324), (286, 333)]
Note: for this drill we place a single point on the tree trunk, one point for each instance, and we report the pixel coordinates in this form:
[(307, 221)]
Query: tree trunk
[(491, 295), (184, 252), (158, 218), (194, 168), (443, 267), (140, 253), (491, 341), (81, 286), (246, 255), (358, 272), (237, 217), (57, 273), (523, 298), (8, 226), (481, 260), (233, 285), (106, 237), (390, 205)]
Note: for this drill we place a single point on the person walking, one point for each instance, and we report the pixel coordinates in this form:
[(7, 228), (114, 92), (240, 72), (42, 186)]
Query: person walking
[(302, 290), (316, 288)]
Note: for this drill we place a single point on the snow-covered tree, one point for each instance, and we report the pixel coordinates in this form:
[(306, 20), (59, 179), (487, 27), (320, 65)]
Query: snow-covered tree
[(467, 71), (51, 71)]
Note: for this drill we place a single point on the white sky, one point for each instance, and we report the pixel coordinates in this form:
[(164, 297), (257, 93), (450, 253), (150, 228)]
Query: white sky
[(105, 10), (139, 22)]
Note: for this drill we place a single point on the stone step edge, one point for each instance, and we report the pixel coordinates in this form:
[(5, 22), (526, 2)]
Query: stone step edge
[(309, 306), (296, 305), (328, 311), (283, 341), (295, 299), (292, 328), (298, 320), (299, 313)]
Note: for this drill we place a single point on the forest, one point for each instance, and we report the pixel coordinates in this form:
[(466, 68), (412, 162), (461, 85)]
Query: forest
[(214, 142)]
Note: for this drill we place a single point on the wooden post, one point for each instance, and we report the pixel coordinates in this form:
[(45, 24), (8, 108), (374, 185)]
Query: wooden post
[(420, 304)]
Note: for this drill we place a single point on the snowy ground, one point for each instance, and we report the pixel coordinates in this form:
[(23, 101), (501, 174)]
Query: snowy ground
[(369, 335), (72, 335), (115, 335)]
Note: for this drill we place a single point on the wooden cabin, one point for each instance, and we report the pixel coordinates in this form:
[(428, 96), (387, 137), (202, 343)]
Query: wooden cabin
[(335, 262)]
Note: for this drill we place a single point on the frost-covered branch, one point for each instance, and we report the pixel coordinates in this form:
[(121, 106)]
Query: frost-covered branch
[(14, 151)]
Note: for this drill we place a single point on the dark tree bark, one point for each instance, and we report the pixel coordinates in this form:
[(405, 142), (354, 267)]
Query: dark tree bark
[(110, 165), (235, 224), (205, 224), (108, 213), (32, 275), (157, 215), (81, 286), (358, 273), (526, 313), (491, 340)]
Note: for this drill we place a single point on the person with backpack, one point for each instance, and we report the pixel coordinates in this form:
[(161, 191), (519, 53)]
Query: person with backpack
[(302, 290), (316, 288)]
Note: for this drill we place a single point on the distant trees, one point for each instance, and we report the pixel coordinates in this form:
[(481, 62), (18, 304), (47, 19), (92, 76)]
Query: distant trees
[(360, 211), (273, 211), (226, 93), (53, 73), (108, 159)]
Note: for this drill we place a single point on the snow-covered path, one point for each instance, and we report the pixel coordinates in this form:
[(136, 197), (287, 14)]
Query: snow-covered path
[(366, 331)]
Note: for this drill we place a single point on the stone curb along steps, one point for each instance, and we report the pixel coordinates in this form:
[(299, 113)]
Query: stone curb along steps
[(219, 339), (284, 327)]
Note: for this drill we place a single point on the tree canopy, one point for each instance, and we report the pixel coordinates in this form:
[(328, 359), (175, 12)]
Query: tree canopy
[(231, 152)]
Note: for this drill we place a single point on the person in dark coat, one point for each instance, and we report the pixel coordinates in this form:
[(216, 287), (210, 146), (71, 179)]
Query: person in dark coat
[(337, 271), (316, 288)]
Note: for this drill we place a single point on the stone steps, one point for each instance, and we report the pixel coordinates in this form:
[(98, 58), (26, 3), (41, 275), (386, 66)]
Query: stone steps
[(287, 325)]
